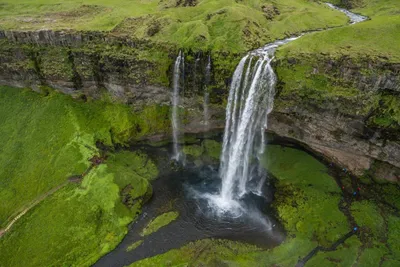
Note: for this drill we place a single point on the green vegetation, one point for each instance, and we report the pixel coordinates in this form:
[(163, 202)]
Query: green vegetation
[(208, 150), (47, 139), (344, 255), (368, 217), (204, 24), (79, 223), (207, 252), (134, 245), (373, 38), (160, 221), (295, 167), (212, 148), (307, 197)]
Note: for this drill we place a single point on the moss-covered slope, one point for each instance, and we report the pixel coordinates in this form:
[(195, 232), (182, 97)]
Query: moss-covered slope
[(205, 24)]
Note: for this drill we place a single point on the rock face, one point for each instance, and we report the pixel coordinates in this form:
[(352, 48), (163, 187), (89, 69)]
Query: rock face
[(352, 125), (345, 109)]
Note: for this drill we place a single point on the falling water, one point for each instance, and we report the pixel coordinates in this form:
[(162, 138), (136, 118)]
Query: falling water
[(178, 68), (207, 94), (250, 100)]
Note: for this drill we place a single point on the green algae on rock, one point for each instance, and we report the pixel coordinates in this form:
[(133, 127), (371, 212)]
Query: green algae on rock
[(134, 245), (159, 222)]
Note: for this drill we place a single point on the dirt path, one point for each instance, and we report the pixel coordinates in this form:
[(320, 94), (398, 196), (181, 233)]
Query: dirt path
[(73, 179), (33, 204)]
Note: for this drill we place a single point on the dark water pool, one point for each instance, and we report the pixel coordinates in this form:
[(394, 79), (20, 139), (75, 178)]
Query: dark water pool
[(174, 190)]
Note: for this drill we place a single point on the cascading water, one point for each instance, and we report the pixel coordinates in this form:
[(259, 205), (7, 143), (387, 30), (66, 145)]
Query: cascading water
[(207, 94), (250, 101), (178, 72)]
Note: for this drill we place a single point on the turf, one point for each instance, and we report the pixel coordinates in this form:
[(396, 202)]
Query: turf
[(47, 139), (373, 38), (76, 225), (225, 25)]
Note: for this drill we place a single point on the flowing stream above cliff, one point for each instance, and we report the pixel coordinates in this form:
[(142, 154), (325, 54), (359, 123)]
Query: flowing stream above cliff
[(178, 70), (354, 18)]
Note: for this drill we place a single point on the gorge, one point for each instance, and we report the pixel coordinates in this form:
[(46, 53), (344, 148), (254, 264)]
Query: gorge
[(155, 138)]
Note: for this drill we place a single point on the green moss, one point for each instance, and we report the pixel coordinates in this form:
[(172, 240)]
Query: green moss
[(311, 214), (159, 222), (371, 256), (55, 63), (368, 217), (47, 139), (287, 253), (295, 167), (75, 226), (212, 148), (134, 245), (193, 150), (206, 252), (306, 196), (151, 120), (344, 255), (209, 25), (393, 236)]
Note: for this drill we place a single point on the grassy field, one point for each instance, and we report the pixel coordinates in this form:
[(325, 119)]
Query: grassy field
[(79, 223), (47, 139), (375, 38), (225, 25)]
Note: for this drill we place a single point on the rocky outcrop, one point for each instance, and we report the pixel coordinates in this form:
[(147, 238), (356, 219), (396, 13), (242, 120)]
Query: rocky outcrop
[(135, 72), (340, 109)]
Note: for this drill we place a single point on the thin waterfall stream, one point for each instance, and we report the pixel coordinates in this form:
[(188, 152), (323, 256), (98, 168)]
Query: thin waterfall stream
[(178, 70), (206, 99)]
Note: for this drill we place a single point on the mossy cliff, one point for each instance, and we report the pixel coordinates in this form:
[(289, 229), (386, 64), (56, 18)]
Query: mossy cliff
[(338, 89), (339, 92)]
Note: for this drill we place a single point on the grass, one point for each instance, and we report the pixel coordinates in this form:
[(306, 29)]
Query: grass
[(225, 25), (295, 167), (206, 252), (344, 255), (373, 38), (367, 216), (76, 225), (159, 222), (47, 139)]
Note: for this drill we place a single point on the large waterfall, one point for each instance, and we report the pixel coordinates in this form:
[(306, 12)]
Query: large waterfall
[(178, 72), (250, 100)]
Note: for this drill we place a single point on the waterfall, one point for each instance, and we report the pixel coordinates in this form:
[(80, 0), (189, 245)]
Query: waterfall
[(207, 94), (178, 74), (250, 101)]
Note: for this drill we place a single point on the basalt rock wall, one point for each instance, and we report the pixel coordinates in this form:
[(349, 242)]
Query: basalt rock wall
[(345, 108)]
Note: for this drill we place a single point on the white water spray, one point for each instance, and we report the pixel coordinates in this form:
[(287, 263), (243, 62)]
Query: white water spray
[(250, 100), (178, 69)]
